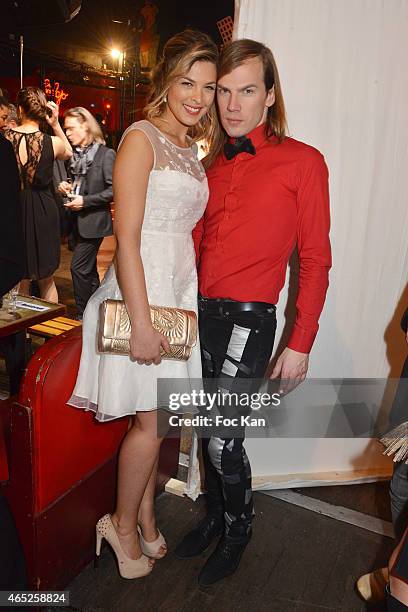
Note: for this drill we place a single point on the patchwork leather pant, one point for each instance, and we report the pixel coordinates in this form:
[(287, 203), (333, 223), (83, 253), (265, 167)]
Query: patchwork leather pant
[(236, 347)]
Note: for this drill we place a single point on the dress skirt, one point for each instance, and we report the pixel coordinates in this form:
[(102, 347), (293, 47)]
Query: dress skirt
[(112, 385)]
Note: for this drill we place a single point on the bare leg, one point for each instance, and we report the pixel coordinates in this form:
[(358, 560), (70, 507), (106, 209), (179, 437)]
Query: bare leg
[(146, 518), (24, 287), (48, 290), (138, 455)]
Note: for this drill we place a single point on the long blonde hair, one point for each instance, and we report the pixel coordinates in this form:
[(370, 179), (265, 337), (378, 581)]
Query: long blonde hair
[(235, 54), (84, 116), (179, 54)]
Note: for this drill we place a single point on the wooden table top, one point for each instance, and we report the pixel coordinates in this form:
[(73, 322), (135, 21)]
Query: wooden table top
[(30, 311)]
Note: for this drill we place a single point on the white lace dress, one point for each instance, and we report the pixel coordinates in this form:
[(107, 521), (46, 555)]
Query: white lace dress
[(112, 385)]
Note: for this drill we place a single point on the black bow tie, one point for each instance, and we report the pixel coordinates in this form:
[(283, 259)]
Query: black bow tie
[(241, 145)]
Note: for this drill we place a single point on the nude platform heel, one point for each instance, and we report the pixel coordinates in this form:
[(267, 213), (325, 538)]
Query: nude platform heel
[(151, 549), (128, 568)]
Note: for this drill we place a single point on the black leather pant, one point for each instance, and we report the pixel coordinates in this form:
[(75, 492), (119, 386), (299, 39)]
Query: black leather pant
[(234, 346)]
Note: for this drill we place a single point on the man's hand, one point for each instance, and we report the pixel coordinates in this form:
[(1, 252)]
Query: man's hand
[(64, 187), (291, 367), (75, 204)]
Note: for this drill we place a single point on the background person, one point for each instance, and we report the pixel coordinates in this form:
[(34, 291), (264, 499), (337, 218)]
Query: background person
[(11, 226), (372, 586), (4, 112), (12, 119), (66, 215), (91, 173), (12, 563), (35, 153), (397, 589), (11, 257)]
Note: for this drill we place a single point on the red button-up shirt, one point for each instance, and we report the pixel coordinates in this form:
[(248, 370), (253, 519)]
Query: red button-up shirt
[(260, 207)]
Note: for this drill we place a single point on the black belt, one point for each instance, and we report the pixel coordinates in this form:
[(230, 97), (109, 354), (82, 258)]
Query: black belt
[(225, 305)]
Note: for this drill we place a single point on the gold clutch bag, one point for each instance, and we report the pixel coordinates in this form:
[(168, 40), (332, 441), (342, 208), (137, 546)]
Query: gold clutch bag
[(177, 325)]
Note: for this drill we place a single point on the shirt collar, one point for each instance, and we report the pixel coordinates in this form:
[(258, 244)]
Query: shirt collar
[(257, 136)]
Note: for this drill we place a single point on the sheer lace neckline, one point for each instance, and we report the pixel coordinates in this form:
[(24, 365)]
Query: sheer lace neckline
[(34, 148), (168, 139)]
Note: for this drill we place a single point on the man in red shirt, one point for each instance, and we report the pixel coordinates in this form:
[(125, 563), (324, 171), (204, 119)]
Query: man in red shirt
[(268, 195)]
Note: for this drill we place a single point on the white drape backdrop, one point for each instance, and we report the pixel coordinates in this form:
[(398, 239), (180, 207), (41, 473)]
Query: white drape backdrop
[(343, 68)]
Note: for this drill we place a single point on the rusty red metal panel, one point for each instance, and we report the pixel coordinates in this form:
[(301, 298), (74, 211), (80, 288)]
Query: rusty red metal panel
[(68, 443), (20, 490), (62, 466), (65, 532)]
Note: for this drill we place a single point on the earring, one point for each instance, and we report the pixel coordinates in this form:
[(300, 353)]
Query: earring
[(165, 99)]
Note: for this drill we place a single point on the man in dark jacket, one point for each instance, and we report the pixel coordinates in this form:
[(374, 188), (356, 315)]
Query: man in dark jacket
[(91, 194)]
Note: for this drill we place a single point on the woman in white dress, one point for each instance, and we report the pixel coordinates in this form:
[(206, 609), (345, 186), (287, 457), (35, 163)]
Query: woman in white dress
[(160, 192)]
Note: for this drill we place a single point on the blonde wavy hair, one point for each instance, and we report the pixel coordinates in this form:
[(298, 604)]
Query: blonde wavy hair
[(179, 54), (84, 116)]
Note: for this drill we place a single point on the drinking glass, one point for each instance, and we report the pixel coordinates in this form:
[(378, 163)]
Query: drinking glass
[(13, 300)]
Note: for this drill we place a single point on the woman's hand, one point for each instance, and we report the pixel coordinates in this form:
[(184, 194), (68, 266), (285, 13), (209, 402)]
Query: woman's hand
[(145, 344), (53, 119)]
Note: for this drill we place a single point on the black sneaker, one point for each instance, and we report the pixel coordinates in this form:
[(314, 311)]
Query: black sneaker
[(224, 560), (199, 539)]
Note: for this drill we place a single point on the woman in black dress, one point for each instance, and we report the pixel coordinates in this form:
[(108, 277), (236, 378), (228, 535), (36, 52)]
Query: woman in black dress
[(35, 153)]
